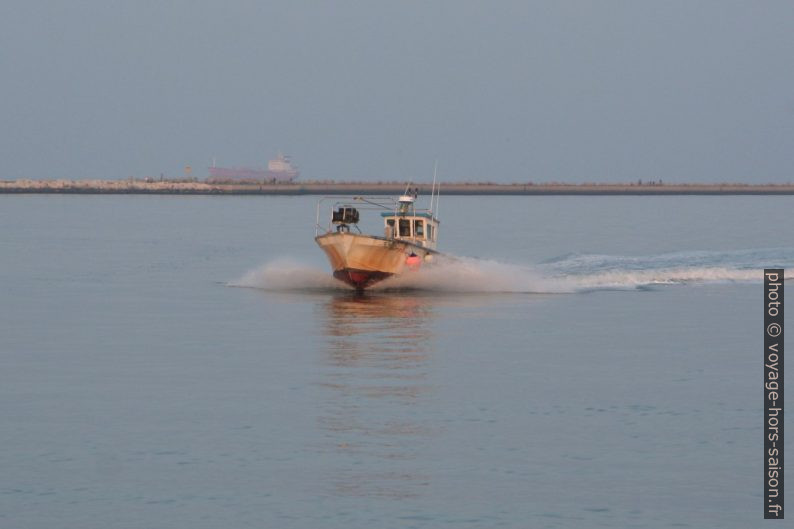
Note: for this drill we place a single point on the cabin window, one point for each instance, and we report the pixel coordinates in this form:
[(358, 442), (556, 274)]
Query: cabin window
[(405, 228), (390, 222), (419, 228), (430, 234)]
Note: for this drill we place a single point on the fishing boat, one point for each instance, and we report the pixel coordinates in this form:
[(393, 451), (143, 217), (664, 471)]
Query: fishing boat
[(408, 242)]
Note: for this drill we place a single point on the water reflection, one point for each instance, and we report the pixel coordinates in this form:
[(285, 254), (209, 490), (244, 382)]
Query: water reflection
[(377, 354)]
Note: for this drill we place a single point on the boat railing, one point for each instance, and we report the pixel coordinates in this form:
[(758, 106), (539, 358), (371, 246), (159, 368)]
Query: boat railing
[(371, 203), (364, 204)]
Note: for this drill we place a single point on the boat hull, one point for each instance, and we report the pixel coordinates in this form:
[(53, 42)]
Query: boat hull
[(363, 260)]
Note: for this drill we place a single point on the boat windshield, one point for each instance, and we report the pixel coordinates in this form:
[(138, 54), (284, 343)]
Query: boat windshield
[(405, 228)]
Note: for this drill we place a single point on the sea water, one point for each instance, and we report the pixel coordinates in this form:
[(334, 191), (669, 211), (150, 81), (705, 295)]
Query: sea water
[(188, 362)]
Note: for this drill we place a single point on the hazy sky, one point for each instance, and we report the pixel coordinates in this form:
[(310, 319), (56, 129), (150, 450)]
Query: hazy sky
[(503, 90)]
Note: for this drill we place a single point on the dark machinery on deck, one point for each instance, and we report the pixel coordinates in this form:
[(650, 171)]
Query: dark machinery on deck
[(343, 216)]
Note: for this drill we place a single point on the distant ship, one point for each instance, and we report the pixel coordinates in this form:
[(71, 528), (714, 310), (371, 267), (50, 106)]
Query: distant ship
[(278, 170)]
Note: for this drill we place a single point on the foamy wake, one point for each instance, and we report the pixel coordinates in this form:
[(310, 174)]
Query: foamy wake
[(567, 274), (289, 274)]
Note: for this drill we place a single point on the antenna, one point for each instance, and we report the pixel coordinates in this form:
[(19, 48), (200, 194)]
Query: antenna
[(438, 195), (438, 189), (213, 162), (433, 188)]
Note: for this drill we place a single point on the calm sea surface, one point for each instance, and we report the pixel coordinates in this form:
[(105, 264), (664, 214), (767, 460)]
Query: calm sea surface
[(185, 362)]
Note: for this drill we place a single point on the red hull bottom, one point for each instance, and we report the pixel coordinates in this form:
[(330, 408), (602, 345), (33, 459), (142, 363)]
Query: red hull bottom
[(360, 279)]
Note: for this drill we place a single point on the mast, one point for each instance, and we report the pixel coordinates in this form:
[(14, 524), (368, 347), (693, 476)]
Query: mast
[(433, 188), (438, 191), (438, 195)]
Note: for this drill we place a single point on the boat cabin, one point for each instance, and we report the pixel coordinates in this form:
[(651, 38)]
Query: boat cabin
[(407, 224)]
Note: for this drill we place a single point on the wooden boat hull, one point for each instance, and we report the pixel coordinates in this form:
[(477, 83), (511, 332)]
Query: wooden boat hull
[(363, 260)]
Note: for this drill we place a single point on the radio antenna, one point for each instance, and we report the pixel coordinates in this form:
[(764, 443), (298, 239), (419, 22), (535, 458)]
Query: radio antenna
[(433, 188), (438, 193)]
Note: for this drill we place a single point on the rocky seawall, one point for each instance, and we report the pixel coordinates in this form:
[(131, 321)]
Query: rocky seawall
[(167, 187)]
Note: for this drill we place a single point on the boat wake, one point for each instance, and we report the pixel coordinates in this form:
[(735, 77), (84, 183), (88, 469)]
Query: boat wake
[(289, 275), (566, 274)]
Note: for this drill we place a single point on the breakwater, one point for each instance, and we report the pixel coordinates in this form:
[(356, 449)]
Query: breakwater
[(367, 188)]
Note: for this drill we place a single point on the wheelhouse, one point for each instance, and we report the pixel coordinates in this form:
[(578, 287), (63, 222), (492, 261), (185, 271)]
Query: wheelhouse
[(407, 224)]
